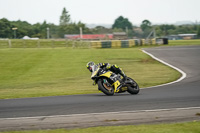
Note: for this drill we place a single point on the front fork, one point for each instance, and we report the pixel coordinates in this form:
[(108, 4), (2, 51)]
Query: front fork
[(106, 82)]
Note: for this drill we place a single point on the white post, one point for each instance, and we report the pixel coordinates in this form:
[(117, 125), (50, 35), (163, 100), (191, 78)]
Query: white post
[(47, 32), (81, 33), (9, 43)]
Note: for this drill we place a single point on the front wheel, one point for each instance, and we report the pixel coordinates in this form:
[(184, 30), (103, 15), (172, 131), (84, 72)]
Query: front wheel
[(104, 87), (133, 88)]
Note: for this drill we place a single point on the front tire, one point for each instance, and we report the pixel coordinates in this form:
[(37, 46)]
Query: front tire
[(104, 88), (133, 89)]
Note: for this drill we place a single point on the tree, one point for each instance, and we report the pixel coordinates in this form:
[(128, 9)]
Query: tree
[(40, 30), (5, 28), (146, 24), (146, 28), (23, 28), (122, 23), (168, 29), (101, 30), (198, 32), (65, 17)]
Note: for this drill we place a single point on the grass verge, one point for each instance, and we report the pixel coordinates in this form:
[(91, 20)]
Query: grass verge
[(184, 42), (189, 127), (62, 71)]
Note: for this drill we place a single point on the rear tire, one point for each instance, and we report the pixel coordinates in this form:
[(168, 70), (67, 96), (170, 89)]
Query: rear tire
[(104, 88), (133, 89)]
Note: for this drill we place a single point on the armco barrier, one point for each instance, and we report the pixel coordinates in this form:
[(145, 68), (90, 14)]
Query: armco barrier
[(115, 43), (123, 43), (106, 44), (132, 43), (96, 44)]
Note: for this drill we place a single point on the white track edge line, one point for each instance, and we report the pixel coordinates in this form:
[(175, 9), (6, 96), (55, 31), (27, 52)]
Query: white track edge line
[(179, 70), (103, 113)]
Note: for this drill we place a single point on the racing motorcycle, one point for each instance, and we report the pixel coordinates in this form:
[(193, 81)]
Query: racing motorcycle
[(110, 83)]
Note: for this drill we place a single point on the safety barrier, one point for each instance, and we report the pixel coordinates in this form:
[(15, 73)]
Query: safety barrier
[(127, 43)]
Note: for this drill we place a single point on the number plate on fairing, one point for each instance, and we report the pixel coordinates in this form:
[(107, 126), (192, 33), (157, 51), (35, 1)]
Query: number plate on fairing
[(114, 77)]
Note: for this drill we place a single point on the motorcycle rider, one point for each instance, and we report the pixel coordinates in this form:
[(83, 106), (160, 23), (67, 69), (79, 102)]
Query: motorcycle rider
[(106, 66)]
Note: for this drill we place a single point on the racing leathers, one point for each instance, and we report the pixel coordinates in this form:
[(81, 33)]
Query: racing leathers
[(113, 68)]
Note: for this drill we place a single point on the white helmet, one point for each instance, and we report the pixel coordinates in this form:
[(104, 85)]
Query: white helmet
[(90, 65)]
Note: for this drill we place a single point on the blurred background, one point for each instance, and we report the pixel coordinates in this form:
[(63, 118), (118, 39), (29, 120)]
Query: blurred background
[(99, 20)]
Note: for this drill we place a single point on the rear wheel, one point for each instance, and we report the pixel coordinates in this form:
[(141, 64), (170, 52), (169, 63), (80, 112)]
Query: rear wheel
[(134, 87), (105, 87)]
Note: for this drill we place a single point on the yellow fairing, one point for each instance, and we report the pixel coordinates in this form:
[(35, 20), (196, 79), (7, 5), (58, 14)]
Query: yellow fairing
[(107, 74), (116, 85)]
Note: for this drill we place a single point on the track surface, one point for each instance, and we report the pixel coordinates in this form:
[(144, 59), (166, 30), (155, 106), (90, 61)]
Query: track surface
[(179, 95)]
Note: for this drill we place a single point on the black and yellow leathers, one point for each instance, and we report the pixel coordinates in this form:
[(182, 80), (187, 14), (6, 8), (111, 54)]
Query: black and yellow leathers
[(113, 68), (100, 73), (110, 82), (109, 79)]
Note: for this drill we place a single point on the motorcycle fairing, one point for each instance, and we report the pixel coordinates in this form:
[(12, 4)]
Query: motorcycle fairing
[(116, 83), (107, 74)]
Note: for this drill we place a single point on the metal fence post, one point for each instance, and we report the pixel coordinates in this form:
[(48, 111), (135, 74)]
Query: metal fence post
[(9, 43)]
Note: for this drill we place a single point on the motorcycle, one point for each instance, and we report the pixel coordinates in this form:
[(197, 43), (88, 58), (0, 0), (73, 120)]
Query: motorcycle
[(110, 83)]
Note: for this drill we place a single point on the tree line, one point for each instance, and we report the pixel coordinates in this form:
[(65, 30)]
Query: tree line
[(168, 29), (67, 26)]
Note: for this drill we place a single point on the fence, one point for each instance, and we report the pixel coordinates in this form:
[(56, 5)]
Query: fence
[(51, 43), (44, 43)]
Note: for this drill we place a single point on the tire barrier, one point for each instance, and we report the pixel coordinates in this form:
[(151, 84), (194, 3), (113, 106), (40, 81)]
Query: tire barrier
[(128, 43)]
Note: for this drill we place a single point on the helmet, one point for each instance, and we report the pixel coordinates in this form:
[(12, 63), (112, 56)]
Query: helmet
[(90, 65)]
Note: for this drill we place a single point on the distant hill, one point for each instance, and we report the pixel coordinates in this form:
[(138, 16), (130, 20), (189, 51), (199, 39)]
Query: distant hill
[(184, 22), (95, 25)]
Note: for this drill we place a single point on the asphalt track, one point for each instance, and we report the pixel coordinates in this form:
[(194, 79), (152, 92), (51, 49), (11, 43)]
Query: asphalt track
[(183, 95)]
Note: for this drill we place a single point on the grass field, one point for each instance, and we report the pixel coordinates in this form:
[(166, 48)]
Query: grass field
[(184, 42), (190, 127), (62, 71)]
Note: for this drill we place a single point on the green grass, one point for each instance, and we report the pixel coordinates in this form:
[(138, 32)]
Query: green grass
[(37, 72), (189, 127), (184, 42)]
